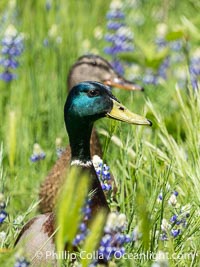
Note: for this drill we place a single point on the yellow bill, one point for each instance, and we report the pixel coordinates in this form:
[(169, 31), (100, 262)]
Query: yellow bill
[(121, 113), (120, 82)]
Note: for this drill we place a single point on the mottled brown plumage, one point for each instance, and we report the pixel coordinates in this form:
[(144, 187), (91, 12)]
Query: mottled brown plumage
[(93, 68), (37, 236), (37, 239)]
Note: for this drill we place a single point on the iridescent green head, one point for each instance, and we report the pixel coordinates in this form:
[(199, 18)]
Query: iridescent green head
[(86, 103), (89, 101)]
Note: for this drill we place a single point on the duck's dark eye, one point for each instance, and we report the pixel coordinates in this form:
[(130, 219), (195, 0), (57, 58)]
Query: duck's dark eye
[(92, 93)]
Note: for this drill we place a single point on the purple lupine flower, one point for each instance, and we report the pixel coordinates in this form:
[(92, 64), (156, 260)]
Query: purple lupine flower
[(12, 47), (59, 149), (194, 70), (176, 193), (176, 55), (7, 76), (178, 220), (103, 173), (3, 213), (117, 65), (160, 42), (114, 25), (46, 42), (162, 71), (113, 240), (173, 219), (175, 232), (150, 78), (163, 236), (176, 45), (83, 230), (38, 153), (21, 262), (115, 14), (48, 5), (119, 36)]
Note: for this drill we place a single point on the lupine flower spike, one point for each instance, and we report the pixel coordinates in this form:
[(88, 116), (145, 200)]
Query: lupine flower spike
[(3, 213), (177, 222), (83, 230), (194, 70), (12, 47), (119, 35), (103, 172), (113, 239), (21, 262), (38, 153), (176, 55), (59, 148)]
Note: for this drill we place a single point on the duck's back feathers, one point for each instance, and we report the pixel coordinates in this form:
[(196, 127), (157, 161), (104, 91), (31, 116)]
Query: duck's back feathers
[(37, 239)]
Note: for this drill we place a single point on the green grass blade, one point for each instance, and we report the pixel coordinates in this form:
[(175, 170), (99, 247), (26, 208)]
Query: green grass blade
[(71, 201)]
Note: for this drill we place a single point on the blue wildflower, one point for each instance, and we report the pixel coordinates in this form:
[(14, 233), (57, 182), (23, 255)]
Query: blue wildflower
[(177, 221), (163, 236), (59, 151), (176, 55), (7, 76), (150, 78), (115, 14), (12, 47), (21, 262), (38, 154), (48, 5), (113, 240), (153, 77), (175, 232), (87, 210), (83, 230), (114, 25), (103, 173), (46, 42), (3, 215), (78, 239), (119, 36), (59, 148), (194, 70), (173, 219), (160, 42), (176, 45), (162, 71), (176, 193)]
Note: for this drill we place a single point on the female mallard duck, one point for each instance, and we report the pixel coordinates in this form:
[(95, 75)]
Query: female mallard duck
[(93, 68), (86, 103)]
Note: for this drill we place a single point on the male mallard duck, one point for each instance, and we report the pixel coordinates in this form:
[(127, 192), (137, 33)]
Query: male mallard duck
[(93, 68), (86, 103)]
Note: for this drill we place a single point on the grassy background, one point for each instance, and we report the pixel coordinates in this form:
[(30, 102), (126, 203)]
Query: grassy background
[(31, 110)]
